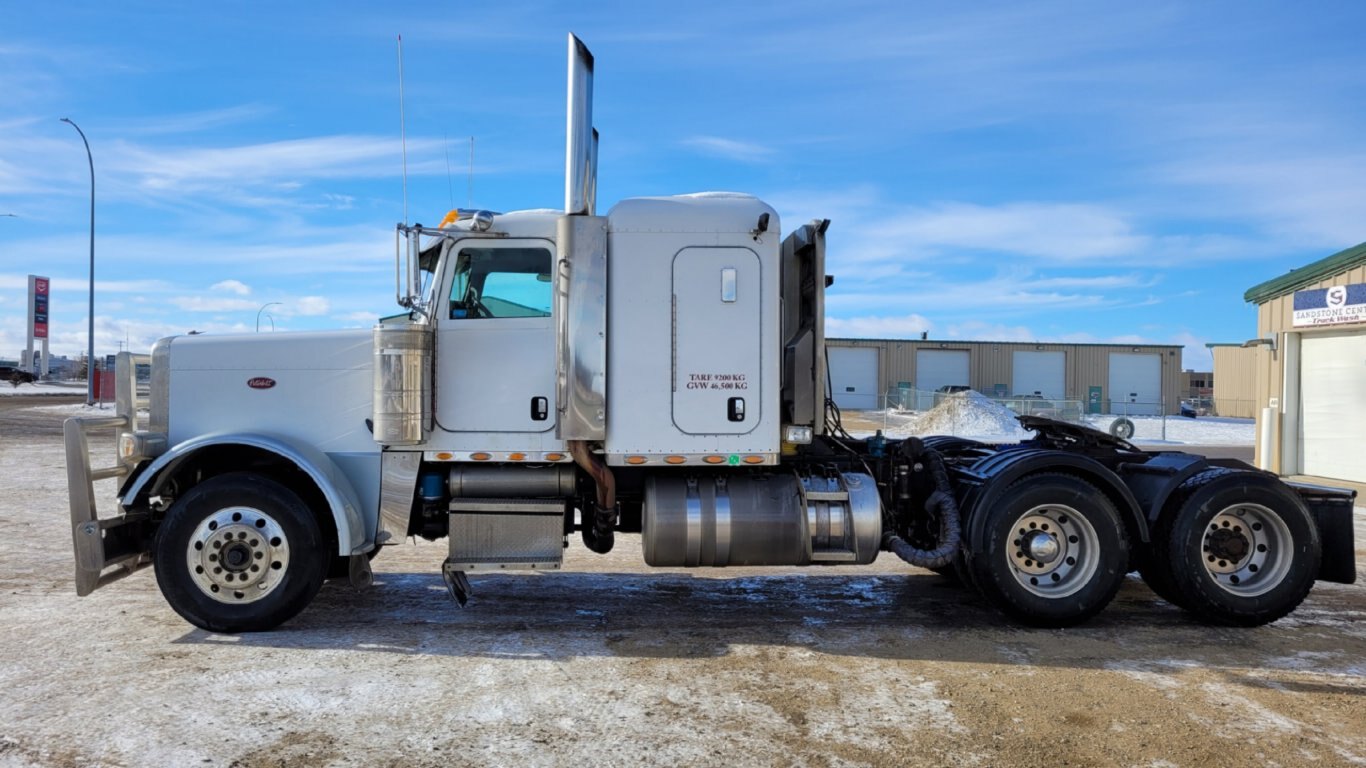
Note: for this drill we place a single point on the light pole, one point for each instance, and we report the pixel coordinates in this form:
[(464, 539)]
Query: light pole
[(263, 309), (90, 330)]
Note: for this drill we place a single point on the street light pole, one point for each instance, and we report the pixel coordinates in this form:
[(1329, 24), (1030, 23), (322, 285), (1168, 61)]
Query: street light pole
[(263, 309), (90, 329)]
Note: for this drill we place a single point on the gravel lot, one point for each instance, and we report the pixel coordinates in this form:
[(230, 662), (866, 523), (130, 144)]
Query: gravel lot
[(610, 663)]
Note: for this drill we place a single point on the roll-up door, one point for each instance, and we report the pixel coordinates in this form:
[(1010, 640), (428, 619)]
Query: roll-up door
[(1039, 373), (853, 377), (1135, 384), (1333, 406), (935, 368)]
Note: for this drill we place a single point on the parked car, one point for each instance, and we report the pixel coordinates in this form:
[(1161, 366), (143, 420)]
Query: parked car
[(1033, 405), (1188, 410)]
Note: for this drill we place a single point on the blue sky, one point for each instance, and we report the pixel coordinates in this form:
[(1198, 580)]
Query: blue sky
[(1014, 171)]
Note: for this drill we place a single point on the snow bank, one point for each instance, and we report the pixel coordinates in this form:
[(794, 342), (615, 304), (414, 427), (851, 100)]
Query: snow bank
[(966, 414)]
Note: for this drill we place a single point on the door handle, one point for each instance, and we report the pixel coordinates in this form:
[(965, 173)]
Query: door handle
[(540, 409), (735, 409)]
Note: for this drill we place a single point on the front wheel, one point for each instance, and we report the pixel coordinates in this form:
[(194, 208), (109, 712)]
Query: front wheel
[(1055, 551), (1242, 550), (239, 553)]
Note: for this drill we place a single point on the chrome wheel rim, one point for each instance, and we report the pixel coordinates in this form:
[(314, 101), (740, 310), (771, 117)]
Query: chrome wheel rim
[(237, 555), (1246, 549), (1054, 551)]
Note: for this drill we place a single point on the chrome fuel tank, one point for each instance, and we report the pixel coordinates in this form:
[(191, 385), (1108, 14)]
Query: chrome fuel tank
[(722, 520)]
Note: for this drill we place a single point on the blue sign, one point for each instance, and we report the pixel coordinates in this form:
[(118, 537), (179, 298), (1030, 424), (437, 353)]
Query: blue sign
[(1331, 306)]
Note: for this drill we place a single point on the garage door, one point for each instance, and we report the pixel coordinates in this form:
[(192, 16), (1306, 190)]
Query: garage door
[(853, 377), (1039, 373), (935, 368), (1333, 406), (1135, 384)]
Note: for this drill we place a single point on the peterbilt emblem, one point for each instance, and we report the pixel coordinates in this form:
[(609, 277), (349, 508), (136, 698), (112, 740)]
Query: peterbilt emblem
[(261, 382)]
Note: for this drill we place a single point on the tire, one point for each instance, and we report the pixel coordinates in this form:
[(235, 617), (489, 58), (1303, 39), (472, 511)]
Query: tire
[(1122, 428), (1241, 551), (239, 553), (1084, 568)]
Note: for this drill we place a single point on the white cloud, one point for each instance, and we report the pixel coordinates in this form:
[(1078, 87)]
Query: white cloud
[(310, 306), (730, 149), (877, 327), (339, 202), (357, 319), (213, 304), (188, 122), (975, 330), (232, 286), (1196, 356), (1064, 232), (322, 157)]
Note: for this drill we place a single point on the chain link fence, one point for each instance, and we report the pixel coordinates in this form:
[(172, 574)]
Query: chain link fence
[(898, 409)]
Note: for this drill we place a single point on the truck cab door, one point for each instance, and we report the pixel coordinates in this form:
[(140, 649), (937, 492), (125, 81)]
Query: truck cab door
[(495, 338)]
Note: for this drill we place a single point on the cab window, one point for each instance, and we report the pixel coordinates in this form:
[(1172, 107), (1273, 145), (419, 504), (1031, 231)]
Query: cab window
[(501, 282)]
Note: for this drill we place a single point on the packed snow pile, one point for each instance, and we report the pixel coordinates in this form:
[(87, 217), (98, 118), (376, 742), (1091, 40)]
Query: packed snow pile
[(970, 414)]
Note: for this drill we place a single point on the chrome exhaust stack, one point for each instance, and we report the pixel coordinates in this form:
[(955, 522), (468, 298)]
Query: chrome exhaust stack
[(580, 152)]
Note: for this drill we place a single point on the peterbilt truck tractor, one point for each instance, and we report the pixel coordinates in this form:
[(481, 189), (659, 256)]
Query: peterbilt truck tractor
[(562, 375)]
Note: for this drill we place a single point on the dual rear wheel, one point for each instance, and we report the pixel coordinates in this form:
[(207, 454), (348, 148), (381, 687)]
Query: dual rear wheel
[(1236, 548)]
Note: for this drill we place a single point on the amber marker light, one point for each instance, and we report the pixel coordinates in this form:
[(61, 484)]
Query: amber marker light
[(444, 456), (516, 456), (636, 459), (554, 456), (480, 456), (674, 460), (754, 459), (715, 459)]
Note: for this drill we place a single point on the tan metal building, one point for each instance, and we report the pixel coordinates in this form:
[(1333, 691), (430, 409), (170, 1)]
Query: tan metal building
[(1235, 380), (1138, 379), (1311, 368)]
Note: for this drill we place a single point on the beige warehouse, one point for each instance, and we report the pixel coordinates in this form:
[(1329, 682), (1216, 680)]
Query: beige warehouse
[(1235, 380), (1311, 368), (1106, 378)]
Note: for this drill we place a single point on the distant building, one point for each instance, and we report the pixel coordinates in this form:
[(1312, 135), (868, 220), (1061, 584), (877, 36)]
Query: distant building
[(1137, 379), (1235, 381), (1197, 385)]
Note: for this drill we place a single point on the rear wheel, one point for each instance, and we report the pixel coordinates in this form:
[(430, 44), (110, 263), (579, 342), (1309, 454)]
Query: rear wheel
[(1242, 550), (239, 553), (1054, 554)]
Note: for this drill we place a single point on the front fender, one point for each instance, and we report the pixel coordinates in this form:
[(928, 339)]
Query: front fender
[(342, 500)]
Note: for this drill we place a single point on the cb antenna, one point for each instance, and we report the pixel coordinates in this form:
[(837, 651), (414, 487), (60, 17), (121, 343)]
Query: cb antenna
[(469, 191), (402, 131)]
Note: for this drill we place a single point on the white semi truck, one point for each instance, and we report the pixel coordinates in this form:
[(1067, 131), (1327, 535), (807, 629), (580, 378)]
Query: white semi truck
[(662, 370)]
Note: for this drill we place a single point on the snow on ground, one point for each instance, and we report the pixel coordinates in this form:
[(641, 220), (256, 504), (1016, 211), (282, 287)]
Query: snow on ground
[(42, 388), (1206, 430), (973, 415), (78, 409)]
